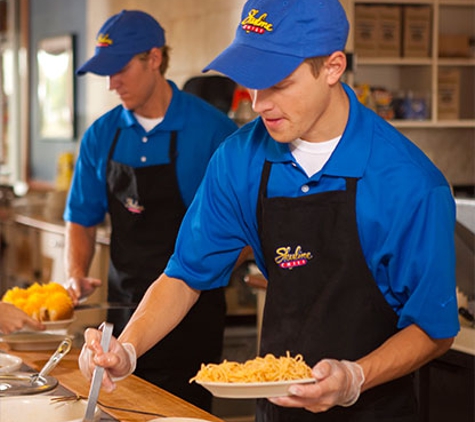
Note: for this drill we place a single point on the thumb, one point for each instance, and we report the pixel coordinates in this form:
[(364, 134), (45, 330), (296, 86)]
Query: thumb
[(322, 369)]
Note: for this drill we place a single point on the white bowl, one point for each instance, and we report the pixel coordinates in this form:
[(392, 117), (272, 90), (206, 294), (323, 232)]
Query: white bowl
[(9, 363), (54, 327), (43, 409)]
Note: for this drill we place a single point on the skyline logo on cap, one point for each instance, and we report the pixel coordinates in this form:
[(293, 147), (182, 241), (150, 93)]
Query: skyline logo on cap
[(259, 25), (103, 40)]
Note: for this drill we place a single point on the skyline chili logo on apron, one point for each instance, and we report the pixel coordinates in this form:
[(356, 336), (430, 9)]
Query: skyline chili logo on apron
[(133, 206), (288, 260)]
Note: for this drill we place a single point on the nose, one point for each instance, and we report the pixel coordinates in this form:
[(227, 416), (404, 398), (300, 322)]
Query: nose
[(113, 82), (260, 100)]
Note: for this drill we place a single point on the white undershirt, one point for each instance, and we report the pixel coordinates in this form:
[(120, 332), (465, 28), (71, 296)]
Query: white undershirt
[(148, 124), (312, 156)]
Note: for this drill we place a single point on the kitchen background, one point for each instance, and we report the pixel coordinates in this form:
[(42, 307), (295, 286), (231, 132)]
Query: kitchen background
[(196, 31)]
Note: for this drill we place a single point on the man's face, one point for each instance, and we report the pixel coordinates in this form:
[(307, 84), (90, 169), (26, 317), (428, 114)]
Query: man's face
[(136, 83), (296, 106)]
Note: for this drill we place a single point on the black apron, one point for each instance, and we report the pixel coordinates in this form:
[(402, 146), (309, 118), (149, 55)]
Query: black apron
[(146, 210), (322, 300)]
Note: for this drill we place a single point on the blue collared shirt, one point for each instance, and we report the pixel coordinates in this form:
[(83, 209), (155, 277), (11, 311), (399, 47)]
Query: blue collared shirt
[(200, 129), (404, 206)]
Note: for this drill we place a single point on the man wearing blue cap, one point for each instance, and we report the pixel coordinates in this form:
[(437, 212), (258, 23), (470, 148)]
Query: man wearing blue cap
[(142, 163), (359, 258)]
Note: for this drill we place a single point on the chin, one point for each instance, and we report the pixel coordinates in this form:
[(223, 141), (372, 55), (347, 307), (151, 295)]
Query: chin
[(280, 138)]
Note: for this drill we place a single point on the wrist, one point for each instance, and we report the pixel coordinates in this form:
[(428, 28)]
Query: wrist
[(132, 361), (356, 381)]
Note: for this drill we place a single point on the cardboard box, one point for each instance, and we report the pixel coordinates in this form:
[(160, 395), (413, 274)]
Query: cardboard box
[(417, 31), (378, 30), (389, 31), (366, 30), (448, 94), (454, 45)]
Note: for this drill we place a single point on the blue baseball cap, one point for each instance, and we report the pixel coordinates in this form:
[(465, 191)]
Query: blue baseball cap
[(124, 35), (275, 36)]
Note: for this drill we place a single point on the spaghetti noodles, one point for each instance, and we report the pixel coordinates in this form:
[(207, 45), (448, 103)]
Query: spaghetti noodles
[(260, 369)]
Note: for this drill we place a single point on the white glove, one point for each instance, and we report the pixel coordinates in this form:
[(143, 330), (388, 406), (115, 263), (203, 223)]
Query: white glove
[(352, 382), (132, 355), (128, 362)]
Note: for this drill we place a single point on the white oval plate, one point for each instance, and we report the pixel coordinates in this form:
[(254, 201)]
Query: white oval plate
[(33, 341), (252, 390), (58, 325), (55, 327), (9, 363)]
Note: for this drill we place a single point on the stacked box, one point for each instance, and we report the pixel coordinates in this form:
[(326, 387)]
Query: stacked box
[(454, 45), (378, 30), (448, 92), (366, 33), (417, 31), (389, 31)]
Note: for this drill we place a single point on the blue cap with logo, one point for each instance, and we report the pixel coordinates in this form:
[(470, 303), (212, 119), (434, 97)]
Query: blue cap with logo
[(122, 36), (275, 36)]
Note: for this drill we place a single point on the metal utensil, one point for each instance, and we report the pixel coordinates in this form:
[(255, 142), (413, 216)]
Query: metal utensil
[(19, 384), (105, 305), (98, 373), (62, 350)]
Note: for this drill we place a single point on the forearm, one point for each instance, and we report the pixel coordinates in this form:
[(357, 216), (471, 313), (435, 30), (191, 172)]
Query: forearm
[(401, 354), (79, 249), (163, 306)]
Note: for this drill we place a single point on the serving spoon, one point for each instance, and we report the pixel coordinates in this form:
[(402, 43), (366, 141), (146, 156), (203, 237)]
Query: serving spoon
[(62, 350)]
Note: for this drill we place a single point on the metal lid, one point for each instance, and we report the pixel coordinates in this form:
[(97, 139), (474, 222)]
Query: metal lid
[(20, 384)]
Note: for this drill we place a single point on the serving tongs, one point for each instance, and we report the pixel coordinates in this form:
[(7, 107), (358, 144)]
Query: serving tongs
[(62, 350), (106, 328)]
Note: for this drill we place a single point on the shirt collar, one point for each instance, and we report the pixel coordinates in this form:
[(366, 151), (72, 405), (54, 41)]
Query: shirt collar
[(352, 152), (174, 117)]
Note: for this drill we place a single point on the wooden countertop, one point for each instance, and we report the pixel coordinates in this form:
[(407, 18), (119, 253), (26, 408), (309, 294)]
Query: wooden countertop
[(131, 393), (41, 222)]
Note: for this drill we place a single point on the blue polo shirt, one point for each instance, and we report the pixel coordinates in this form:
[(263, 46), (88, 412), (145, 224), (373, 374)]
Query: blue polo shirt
[(200, 129), (404, 207)]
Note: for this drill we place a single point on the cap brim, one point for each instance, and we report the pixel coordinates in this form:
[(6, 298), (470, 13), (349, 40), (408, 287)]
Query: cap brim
[(254, 68), (104, 64)]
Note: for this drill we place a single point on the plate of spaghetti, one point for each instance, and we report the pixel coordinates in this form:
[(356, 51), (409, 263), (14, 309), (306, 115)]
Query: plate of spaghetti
[(262, 377)]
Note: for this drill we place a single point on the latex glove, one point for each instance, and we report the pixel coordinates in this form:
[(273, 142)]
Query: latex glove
[(338, 384), (81, 287), (119, 362), (354, 380)]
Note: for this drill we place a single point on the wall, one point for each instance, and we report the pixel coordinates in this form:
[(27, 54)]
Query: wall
[(52, 18), (196, 31), (451, 150)]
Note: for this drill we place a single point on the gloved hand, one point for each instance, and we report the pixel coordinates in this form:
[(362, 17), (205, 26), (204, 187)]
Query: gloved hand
[(338, 384), (353, 380), (119, 362)]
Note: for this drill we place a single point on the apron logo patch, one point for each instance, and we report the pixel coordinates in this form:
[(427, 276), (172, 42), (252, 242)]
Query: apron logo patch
[(133, 206), (288, 260)]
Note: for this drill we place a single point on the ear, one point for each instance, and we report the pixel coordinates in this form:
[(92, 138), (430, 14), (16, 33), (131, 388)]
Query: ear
[(156, 57), (335, 66)]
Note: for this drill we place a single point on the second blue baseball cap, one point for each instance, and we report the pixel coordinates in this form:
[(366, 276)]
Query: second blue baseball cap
[(122, 36), (275, 36)]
